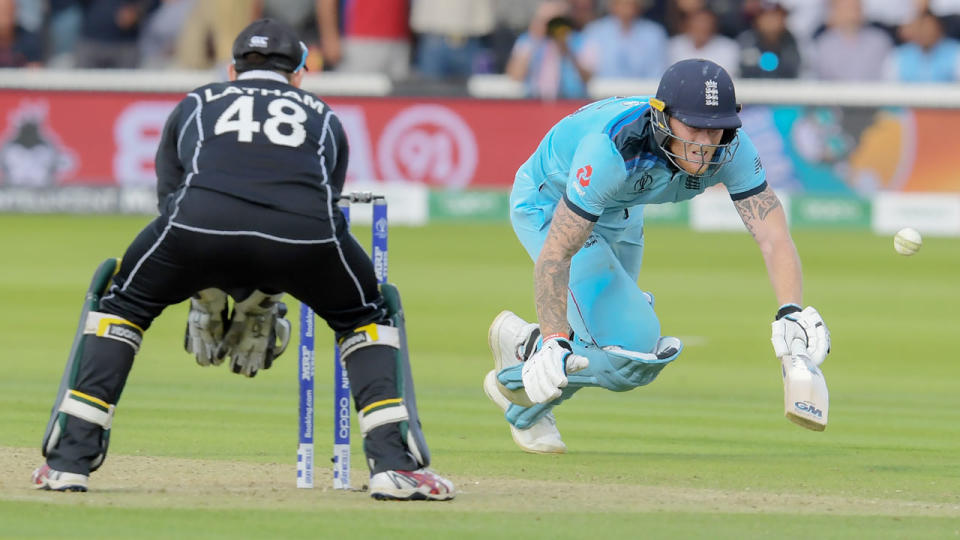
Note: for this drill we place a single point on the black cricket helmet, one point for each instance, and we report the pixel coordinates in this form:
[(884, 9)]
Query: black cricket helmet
[(276, 45), (700, 94)]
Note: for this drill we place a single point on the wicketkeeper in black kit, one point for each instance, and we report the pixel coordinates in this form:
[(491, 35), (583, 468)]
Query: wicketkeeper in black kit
[(249, 173)]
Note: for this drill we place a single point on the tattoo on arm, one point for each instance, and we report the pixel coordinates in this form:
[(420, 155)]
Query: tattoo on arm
[(756, 208), (568, 232)]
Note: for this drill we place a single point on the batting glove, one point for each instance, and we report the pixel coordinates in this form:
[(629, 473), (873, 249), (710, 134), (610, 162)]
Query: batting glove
[(545, 373), (800, 332)]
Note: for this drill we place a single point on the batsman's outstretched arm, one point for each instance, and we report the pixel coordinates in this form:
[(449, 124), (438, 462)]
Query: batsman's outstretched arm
[(568, 232), (764, 217), (795, 329)]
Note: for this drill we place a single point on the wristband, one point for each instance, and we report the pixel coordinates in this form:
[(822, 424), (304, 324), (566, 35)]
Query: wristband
[(556, 335), (787, 309)]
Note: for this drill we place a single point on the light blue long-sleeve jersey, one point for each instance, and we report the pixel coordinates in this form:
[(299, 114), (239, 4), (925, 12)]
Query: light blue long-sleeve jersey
[(603, 161)]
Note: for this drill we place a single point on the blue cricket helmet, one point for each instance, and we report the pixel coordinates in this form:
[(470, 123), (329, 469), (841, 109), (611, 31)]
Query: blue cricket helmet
[(700, 94)]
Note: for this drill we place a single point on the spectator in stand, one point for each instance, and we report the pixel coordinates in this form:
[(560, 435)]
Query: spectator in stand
[(890, 16), (161, 30), (301, 15), (624, 44), (949, 13), (582, 13), (701, 40), (926, 55), (671, 13), (730, 19), (849, 49), (64, 21), (31, 17), (513, 17), (210, 29), (675, 13), (18, 47), (370, 36), (768, 50), (545, 58), (450, 37), (109, 34), (806, 18)]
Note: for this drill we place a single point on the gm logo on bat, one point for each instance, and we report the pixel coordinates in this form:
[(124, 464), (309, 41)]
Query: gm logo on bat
[(808, 408)]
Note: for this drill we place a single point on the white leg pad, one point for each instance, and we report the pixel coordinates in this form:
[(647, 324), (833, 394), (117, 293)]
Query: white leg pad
[(89, 408), (113, 327), (384, 412), (390, 411), (365, 336)]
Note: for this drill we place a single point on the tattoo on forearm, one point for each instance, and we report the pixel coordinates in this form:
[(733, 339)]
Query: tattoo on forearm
[(757, 208), (567, 234), (552, 276)]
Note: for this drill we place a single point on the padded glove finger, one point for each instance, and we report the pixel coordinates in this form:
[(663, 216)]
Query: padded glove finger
[(206, 322), (545, 373)]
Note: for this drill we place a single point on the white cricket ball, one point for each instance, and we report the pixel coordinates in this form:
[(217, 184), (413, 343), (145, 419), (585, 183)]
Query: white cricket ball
[(907, 241)]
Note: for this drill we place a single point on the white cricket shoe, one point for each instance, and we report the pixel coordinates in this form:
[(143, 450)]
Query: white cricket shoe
[(418, 485), (543, 437), (511, 339), (53, 480)]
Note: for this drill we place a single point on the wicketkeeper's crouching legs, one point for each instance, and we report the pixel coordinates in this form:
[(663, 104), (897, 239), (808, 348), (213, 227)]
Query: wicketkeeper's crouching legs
[(377, 363), (78, 434)]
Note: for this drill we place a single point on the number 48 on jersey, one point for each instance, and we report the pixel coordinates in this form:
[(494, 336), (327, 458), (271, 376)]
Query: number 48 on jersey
[(238, 117)]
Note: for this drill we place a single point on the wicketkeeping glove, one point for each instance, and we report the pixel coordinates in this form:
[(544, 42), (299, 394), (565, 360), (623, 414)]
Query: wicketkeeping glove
[(545, 373), (800, 332), (205, 326), (258, 334)]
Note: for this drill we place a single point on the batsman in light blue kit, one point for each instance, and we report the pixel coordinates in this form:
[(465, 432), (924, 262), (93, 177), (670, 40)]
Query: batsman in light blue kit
[(577, 207)]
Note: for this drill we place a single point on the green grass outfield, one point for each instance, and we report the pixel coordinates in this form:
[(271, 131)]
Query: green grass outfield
[(703, 452)]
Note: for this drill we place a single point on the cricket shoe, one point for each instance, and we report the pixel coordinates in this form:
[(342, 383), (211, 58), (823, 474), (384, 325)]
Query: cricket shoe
[(419, 485), (542, 437), (511, 339), (53, 480)]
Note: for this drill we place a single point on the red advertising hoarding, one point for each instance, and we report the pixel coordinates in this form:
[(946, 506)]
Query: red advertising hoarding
[(59, 138), (52, 139)]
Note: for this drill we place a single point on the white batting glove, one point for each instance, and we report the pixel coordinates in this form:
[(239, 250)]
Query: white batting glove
[(545, 373), (800, 332)]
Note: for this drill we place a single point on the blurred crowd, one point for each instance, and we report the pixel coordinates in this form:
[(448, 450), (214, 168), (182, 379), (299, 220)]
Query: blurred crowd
[(554, 47)]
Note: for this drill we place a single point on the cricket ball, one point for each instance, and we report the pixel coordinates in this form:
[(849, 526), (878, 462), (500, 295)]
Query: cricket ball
[(907, 241)]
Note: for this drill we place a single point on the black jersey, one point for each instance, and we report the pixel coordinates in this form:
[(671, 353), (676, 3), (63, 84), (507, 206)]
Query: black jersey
[(255, 141)]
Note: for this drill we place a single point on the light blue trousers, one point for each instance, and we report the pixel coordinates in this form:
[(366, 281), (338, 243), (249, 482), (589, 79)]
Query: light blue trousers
[(604, 304)]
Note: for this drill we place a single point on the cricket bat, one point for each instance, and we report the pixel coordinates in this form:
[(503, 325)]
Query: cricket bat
[(805, 397)]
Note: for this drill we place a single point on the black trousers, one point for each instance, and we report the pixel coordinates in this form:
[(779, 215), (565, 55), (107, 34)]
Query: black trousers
[(211, 240), (169, 261)]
